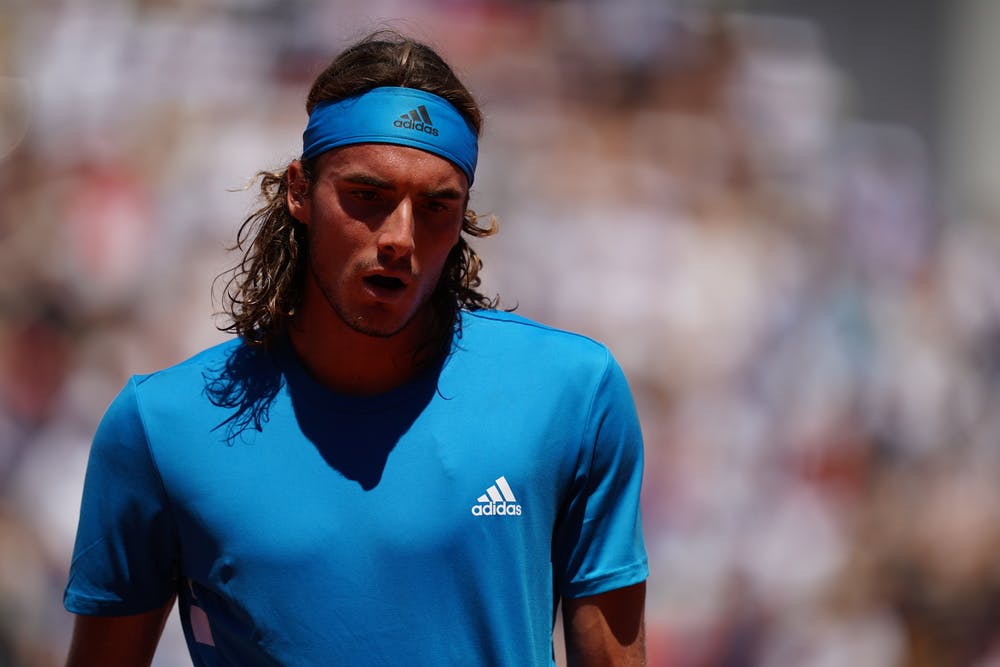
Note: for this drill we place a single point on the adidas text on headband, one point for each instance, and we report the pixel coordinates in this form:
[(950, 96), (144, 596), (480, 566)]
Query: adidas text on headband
[(389, 115)]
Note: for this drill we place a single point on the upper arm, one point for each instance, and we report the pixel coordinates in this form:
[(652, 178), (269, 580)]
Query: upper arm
[(121, 641), (597, 539), (125, 560), (606, 630)]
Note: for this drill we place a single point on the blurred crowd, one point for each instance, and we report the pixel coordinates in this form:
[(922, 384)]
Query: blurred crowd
[(813, 342)]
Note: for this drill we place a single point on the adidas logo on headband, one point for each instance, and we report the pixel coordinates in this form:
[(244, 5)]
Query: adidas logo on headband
[(373, 117), (417, 119)]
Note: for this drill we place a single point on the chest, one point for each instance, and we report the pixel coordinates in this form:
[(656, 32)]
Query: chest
[(356, 492)]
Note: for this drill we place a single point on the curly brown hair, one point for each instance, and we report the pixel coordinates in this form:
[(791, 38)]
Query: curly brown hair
[(263, 290)]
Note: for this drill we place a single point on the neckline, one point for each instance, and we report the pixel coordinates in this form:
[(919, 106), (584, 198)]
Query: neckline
[(301, 384)]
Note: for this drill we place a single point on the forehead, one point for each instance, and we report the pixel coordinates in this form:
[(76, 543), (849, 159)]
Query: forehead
[(399, 165)]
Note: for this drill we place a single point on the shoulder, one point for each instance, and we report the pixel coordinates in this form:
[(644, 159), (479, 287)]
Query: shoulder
[(191, 370), (168, 396), (518, 345), (498, 328), (228, 379), (222, 375)]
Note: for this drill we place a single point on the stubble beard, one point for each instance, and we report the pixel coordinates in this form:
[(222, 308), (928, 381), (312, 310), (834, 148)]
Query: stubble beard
[(361, 322)]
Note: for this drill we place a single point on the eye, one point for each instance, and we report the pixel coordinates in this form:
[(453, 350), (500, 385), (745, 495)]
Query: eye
[(437, 206), (365, 195)]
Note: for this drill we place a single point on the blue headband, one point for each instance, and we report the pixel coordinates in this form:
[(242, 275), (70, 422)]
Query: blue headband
[(403, 116)]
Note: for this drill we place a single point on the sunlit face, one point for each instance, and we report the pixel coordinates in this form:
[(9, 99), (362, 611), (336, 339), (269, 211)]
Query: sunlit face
[(381, 220)]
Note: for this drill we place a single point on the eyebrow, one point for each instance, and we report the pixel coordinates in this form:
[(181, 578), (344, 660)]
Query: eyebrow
[(375, 182), (367, 179), (443, 193)]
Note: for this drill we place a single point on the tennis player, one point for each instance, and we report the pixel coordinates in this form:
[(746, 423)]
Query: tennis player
[(379, 467)]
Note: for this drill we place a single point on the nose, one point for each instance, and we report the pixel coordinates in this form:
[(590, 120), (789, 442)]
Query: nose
[(395, 234)]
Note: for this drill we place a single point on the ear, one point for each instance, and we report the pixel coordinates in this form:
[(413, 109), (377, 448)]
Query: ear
[(298, 193)]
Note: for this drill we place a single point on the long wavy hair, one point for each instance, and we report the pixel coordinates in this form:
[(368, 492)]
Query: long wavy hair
[(263, 290)]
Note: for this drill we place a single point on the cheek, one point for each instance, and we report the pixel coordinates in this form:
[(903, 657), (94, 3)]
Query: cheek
[(331, 240), (445, 252), (453, 236), (449, 258), (434, 243)]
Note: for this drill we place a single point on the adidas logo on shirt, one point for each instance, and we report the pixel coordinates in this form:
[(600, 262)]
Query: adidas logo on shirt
[(417, 119), (498, 500)]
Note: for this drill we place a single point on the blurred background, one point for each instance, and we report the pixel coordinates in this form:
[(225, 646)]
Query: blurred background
[(781, 215)]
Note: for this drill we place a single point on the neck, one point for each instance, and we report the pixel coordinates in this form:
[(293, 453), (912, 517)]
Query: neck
[(351, 362)]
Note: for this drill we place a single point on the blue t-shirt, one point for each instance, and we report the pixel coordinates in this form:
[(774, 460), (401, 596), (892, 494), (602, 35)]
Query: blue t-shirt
[(435, 524)]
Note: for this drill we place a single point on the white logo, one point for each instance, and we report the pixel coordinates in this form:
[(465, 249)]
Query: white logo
[(498, 500)]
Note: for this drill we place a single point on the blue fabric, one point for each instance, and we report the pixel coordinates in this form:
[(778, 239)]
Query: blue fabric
[(388, 115), (304, 527)]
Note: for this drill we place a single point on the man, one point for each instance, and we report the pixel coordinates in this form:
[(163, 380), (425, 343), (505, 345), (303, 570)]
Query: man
[(380, 469)]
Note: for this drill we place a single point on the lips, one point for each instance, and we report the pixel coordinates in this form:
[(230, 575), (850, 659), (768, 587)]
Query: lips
[(385, 286), (385, 282)]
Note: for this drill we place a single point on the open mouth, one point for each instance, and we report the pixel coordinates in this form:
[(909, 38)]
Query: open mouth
[(385, 282)]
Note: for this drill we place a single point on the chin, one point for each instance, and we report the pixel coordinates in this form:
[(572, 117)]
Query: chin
[(378, 325), (375, 330), (381, 319)]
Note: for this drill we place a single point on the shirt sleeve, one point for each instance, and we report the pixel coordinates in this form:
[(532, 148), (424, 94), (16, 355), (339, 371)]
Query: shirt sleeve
[(598, 544), (124, 560)]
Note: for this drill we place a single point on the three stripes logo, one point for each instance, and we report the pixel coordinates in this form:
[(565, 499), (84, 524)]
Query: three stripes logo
[(417, 119), (498, 500)]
